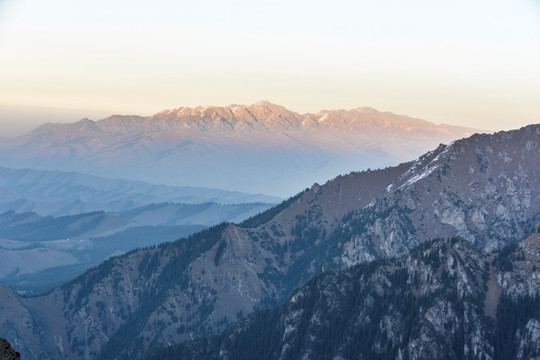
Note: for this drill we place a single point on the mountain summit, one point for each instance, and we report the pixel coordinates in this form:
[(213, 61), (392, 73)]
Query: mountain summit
[(261, 116), (259, 148)]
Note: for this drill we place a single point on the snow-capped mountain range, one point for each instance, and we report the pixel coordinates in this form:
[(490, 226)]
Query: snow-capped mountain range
[(258, 148)]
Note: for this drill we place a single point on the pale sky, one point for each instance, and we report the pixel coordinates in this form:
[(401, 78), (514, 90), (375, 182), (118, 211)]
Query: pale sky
[(472, 63)]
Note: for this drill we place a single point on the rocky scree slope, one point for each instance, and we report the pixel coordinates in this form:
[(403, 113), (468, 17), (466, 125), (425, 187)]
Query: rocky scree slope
[(426, 305), (484, 189)]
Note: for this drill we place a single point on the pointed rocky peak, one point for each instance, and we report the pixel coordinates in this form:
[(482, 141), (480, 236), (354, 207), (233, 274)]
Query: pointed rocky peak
[(83, 126), (262, 115), (492, 156), (122, 124), (421, 168), (270, 107), (86, 125), (202, 118), (264, 103), (272, 116)]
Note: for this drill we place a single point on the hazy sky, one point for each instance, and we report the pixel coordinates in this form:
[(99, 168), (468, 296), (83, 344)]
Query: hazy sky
[(473, 63)]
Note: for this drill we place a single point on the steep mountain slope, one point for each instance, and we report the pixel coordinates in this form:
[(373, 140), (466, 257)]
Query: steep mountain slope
[(427, 305), (484, 188), (59, 193), (24, 328), (259, 148)]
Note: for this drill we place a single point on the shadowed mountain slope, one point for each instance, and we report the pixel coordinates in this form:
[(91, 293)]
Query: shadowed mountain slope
[(429, 304)]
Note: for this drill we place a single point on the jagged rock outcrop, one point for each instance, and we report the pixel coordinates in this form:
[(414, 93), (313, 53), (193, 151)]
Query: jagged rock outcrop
[(518, 273), (426, 305), (485, 189)]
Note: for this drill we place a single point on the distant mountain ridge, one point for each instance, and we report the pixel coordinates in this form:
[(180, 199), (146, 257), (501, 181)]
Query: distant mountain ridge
[(258, 148), (261, 116), (33, 246), (68, 193)]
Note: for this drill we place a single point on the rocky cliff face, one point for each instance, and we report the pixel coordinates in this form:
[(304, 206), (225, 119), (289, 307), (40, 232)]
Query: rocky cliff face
[(518, 268), (484, 189), (427, 305)]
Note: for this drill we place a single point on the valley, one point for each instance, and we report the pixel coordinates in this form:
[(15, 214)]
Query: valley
[(41, 253)]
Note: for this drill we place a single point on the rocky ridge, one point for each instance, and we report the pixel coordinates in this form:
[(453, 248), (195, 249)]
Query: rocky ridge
[(426, 305), (262, 115), (251, 147)]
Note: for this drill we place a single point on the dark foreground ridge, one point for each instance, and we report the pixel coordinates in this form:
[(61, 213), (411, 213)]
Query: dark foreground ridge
[(430, 304), (7, 352)]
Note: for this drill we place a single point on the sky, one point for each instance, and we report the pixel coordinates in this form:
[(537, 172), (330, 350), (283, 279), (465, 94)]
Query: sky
[(470, 63)]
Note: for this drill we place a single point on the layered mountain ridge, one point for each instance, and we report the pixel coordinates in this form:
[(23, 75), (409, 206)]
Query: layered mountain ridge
[(261, 116), (60, 193), (484, 188), (251, 148), (41, 253)]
